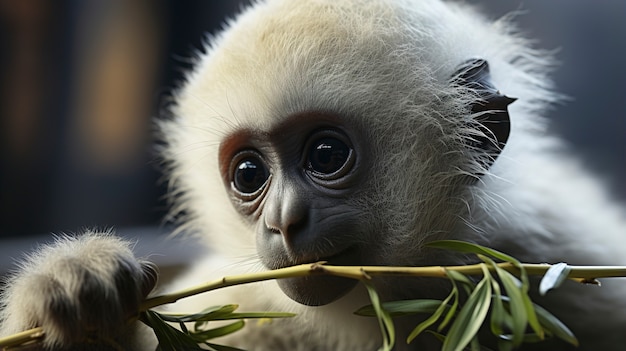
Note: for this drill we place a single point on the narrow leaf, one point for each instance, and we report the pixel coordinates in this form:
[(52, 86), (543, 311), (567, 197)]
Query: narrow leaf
[(460, 277), (384, 320), (229, 316), (402, 308), (474, 344), (498, 314), (516, 303), (208, 314), (462, 246), (533, 320), (452, 310), (256, 315), (531, 316), (217, 347), (554, 325), (466, 282), (438, 336), (471, 316), (430, 320), (170, 338), (204, 335)]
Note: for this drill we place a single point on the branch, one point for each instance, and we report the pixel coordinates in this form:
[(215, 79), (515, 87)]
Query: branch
[(364, 273), (577, 273)]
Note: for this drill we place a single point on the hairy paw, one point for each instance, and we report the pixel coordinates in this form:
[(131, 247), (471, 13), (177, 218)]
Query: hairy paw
[(77, 289)]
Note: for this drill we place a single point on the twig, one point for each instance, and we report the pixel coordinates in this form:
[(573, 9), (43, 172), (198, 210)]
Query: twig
[(22, 338), (578, 273)]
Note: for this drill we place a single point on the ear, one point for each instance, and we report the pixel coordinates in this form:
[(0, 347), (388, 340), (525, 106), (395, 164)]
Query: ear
[(489, 110)]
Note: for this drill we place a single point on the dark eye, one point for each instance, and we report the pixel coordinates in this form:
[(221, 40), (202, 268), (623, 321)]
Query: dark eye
[(250, 174), (328, 155)]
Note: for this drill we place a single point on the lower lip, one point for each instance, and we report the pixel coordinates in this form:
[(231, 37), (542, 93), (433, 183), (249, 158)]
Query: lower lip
[(321, 290)]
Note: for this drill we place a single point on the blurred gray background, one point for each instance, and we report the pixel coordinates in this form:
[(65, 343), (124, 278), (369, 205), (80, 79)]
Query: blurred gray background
[(81, 81)]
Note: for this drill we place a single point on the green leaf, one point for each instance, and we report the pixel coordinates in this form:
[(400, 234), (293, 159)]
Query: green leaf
[(217, 347), (208, 314), (467, 284), (471, 316), (554, 325), (170, 338), (430, 320), (474, 344), (452, 310), (554, 277), (384, 319), (219, 313), (204, 335), (402, 308), (550, 323), (521, 308), (519, 318), (442, 337), (533, 320), (531, 316), (465, 247), (499, 316), (439, 336), (256, 315), (244, 315), (460, 277)]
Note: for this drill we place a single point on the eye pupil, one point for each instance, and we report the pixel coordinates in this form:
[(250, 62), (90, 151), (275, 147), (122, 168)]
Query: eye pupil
[(250, 175), (328, 155)]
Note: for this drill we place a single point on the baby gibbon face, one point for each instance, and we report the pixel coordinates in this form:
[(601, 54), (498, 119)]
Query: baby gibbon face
[(298, 184)]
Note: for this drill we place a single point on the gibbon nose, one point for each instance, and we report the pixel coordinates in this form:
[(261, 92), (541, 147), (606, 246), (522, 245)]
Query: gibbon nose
[(286, 213)]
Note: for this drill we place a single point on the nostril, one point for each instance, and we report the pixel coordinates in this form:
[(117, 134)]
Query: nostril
[(291, 231), (296, 227), (274, 230)]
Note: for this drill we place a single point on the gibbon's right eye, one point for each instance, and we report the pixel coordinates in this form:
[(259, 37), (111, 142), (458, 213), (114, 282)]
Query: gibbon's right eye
[(330, 156), (249, 173)]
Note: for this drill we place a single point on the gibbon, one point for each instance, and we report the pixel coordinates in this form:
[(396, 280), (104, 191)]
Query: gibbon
[(352, 132)]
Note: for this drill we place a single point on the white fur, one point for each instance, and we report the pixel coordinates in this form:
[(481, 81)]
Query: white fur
[(384, 65)]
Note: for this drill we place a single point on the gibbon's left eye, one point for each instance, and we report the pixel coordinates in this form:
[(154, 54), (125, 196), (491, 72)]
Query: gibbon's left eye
[(249, 173), (329, 158)]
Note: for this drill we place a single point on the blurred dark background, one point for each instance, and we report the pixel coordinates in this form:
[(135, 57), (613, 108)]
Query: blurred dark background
[(81, 82)]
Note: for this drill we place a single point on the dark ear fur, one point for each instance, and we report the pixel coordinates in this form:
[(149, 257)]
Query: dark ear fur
[(490, 109)]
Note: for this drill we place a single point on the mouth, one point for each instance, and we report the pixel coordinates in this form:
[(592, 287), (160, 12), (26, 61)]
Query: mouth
[(320, 290)]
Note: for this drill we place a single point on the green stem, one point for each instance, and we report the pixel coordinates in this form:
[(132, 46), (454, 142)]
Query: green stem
[(579, 273)]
